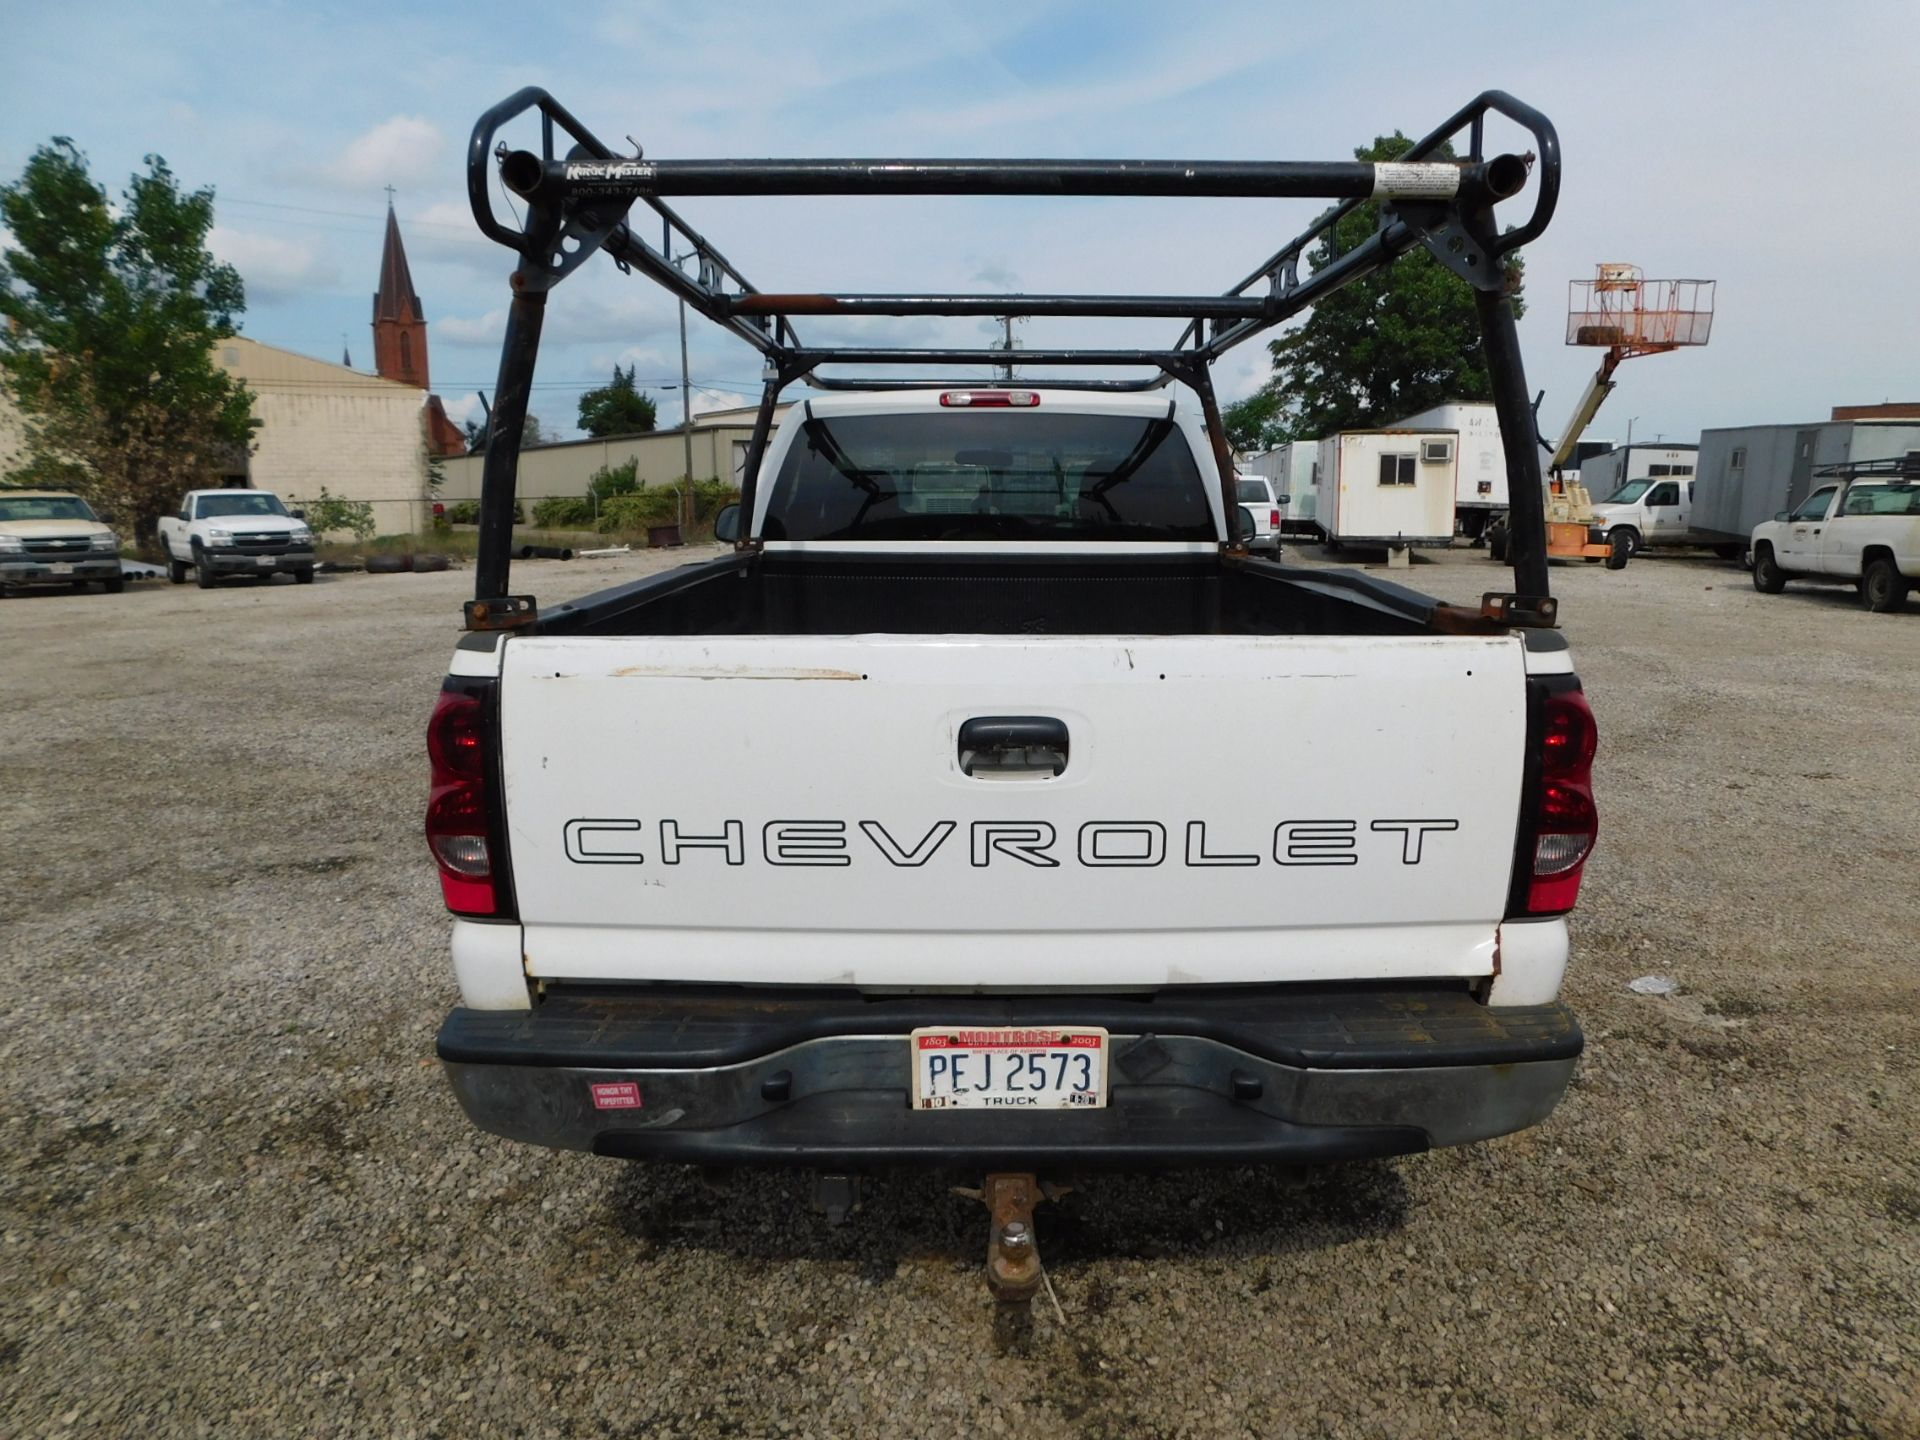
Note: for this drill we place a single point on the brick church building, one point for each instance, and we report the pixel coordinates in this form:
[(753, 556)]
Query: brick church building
[(400, 340)]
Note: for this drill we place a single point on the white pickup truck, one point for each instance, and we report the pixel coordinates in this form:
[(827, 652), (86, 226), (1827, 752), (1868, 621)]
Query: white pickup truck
[(1263, 503), (1861, 529), (916, 830), (218, 533), (951, 755)]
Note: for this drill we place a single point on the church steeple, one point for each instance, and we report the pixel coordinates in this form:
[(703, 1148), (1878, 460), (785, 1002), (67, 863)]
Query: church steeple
[(399, 321)]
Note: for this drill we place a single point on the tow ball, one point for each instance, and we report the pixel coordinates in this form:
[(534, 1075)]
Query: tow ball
[(1014, 1273)]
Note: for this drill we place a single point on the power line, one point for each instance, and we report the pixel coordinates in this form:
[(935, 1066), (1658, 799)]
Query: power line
[(466, 230)]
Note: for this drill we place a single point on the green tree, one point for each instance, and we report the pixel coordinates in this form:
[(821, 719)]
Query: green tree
[(609, 481), (111, 325), (1255, 423), (1399, 341), (531, 433), (617, 408)]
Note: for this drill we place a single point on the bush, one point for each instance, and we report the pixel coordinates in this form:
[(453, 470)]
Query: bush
[(467, 512), (564, 512), (605, 483), (660, 505), (328, 513), (639, 510), (711, 496)]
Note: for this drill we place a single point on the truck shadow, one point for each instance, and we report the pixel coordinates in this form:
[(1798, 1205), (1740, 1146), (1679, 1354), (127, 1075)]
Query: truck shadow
[(767, 1215)]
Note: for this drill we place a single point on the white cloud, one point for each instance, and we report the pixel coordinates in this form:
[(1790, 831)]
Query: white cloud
[(272, 268), (403, 150), (464, 407), (707, 401), (645, 361), (998, 274), (481, 330)]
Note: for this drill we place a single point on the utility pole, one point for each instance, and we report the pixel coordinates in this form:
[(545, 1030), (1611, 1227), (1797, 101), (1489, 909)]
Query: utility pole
[(1006, 366)]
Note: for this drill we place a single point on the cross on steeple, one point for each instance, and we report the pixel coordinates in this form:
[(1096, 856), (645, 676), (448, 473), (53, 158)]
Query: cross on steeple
[(389, 197)]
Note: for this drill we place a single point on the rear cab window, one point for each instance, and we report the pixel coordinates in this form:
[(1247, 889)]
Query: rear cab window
[(989, 475), (1883, 500)]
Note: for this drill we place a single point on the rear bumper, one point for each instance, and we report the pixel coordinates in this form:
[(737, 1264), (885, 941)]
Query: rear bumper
[(1222, 1075)]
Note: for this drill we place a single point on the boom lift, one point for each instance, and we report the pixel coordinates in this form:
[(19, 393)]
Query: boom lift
[(1622, 312)]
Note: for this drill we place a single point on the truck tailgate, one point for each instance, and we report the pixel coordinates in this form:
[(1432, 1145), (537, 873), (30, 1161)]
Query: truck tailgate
[(793, 809)]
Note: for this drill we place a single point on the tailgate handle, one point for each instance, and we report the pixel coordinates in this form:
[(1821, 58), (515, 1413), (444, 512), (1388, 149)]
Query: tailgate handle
[(999, 745)]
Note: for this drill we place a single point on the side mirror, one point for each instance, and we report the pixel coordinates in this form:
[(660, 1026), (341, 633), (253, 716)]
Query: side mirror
[(1283, 499), (1243, 524), (1781, 515), (300, 514), (726, 525)]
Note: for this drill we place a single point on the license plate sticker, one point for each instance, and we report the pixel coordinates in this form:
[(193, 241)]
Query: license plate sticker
[(1033, 1067)]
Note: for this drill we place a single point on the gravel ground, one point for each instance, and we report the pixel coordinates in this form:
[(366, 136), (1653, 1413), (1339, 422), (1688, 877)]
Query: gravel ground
[(238, 1199)]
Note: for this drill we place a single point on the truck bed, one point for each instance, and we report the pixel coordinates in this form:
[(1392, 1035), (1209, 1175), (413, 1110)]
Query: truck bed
[(796, 593)]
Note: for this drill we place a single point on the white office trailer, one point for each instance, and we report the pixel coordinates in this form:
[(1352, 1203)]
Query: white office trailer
[(1480, 472), (1393, 488), (1750, 473)]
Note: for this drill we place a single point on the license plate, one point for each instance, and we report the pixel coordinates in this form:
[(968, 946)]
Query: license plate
[(265, 562), (60, 568), (1035, 1067)]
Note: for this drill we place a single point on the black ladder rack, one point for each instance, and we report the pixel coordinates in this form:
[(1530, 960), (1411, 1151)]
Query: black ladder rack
[(579, 203)]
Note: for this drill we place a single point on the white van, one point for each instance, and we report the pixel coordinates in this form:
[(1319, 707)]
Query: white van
[(1655, 511)]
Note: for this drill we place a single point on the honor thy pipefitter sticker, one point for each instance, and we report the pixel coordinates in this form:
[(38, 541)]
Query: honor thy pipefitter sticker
[(615, 1095)]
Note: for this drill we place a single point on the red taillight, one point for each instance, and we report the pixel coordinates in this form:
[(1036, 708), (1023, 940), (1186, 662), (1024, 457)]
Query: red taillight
[(977, 399), (459, 815), (1565, 821), (1273, 519)]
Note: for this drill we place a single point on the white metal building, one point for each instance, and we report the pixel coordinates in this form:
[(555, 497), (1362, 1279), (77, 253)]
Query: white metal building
[(563, 469), (1480, 469), (324, 426), (320, 425)]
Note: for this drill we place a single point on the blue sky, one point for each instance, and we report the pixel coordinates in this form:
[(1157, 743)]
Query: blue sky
[(1766, 146)]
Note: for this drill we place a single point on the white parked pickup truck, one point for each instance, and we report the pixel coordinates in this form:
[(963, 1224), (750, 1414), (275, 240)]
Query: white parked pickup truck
[(1263, 503), (48, 537), (916, 830), (218, 533), (953, 754), (1861, 529)]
